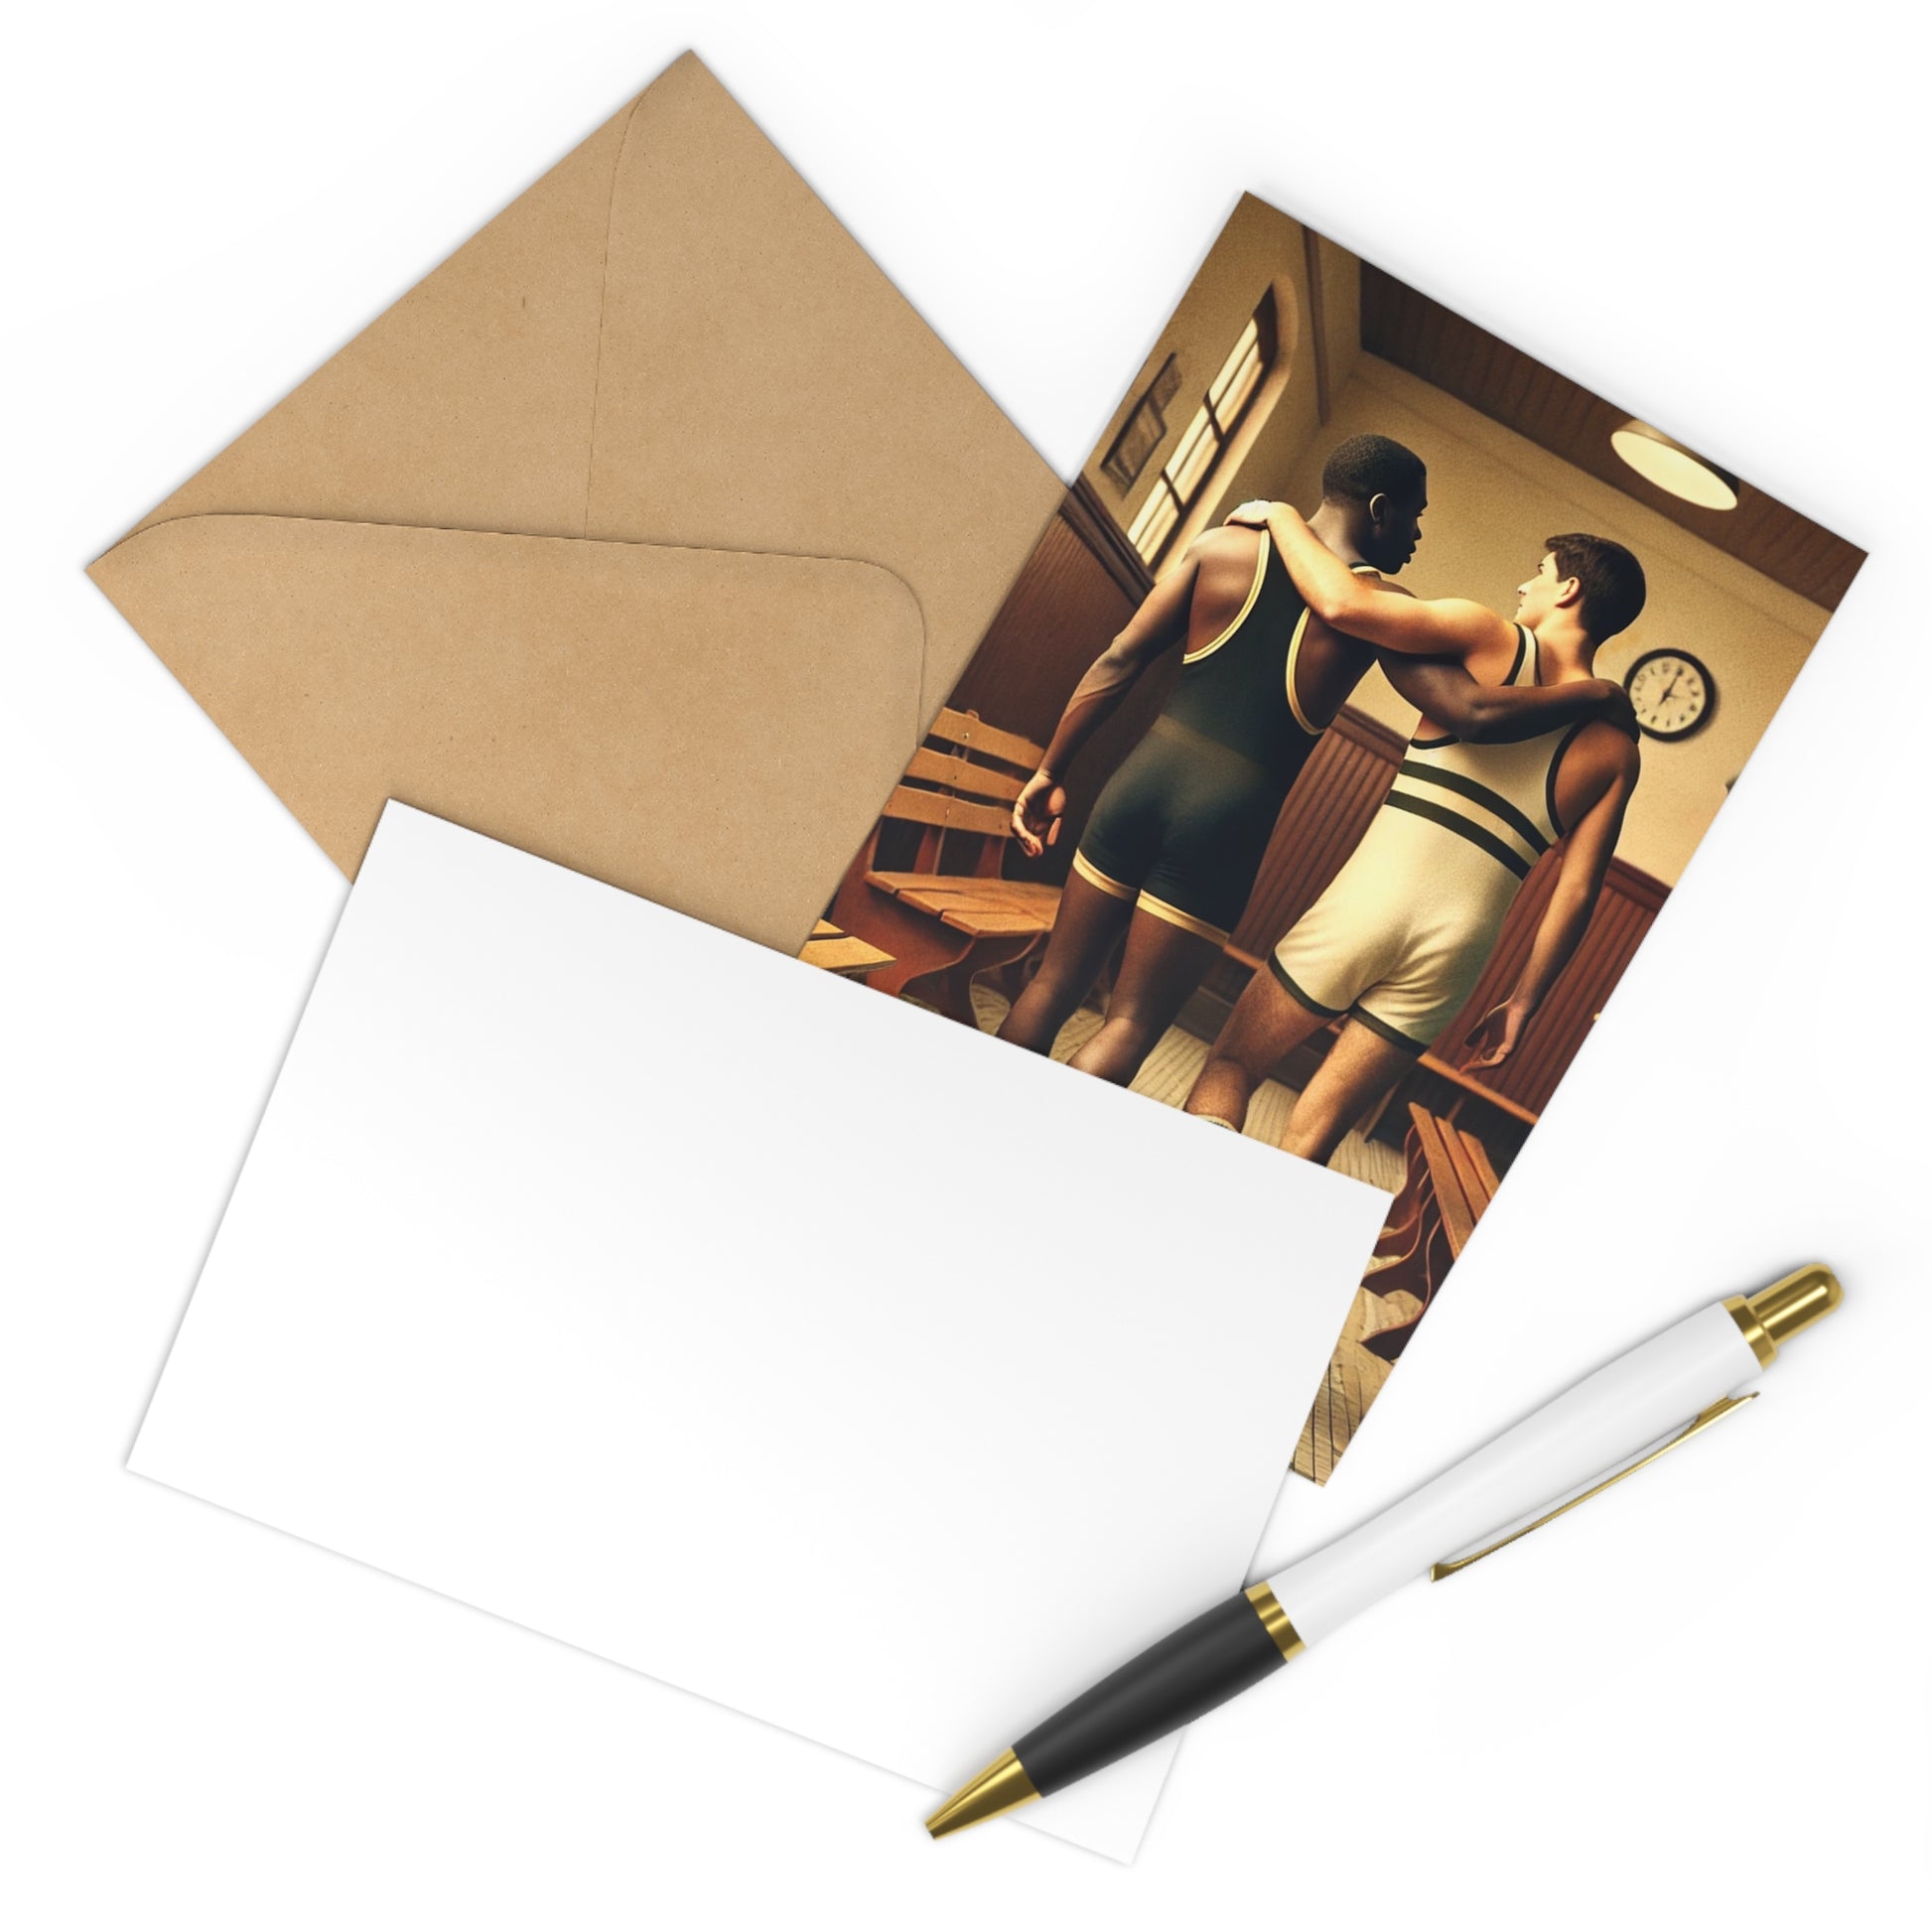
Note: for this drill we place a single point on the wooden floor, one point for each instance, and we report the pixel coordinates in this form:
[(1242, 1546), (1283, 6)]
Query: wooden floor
[(1353, 1381), (1355, 1376)]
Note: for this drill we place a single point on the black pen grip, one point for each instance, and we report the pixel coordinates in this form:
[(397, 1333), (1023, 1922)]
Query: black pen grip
[(1203, 1662)]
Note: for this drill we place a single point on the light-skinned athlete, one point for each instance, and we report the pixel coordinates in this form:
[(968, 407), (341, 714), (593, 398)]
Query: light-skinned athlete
[(1399, 939), (1176, 835)]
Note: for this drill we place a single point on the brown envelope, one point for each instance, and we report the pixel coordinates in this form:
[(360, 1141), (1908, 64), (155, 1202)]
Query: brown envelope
[(647, 533)]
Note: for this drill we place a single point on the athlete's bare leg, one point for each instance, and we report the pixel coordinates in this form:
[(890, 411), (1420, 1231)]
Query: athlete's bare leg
[(1266, 1024), (1360, 1065), (1086, 928), (1162, 966)]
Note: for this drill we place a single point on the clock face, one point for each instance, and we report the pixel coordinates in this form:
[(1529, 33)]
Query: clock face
[(1671, 693)]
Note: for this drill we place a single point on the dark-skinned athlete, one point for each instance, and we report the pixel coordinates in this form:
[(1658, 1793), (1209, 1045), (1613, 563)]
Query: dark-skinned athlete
[(1177, 834), (1399, 938)]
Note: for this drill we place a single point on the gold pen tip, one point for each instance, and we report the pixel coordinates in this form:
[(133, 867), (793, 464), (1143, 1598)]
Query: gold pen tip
[(1002, 1787), (1806, 1295), (1771, 1316)]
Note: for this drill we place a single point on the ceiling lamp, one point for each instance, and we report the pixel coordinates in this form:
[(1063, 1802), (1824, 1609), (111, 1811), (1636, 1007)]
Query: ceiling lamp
[(1670, 465)]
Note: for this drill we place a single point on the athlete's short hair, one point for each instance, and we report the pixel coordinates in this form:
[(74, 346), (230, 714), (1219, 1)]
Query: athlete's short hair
[(1609, 577), (1366, 467)]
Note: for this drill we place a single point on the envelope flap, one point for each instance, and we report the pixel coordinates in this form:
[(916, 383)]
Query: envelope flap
[(711, 730), (667, 339), (763, 384), (468, 403), (670, 323)]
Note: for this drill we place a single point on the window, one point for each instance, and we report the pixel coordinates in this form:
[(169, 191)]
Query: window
[(1185, 473)]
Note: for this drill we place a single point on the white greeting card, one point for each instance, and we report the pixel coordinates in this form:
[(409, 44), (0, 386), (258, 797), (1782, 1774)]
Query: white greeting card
[(663, 1295)]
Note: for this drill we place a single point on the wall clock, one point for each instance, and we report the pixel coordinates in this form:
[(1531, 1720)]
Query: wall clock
[(1672, 693)]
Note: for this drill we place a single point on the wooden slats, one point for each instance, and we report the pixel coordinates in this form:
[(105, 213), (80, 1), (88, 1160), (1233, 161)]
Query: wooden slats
[(1447, 1070), (1476, 1191), (960, 728), (980, 780), (834, 952), (1523, 1084), (940, 808), (844, 955), (989, 899), (1458, 1218), (945, 886), (1480, 1163), (951, 915), (985, 907), (987, 925)]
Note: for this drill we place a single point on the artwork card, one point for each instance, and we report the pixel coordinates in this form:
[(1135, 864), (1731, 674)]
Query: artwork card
[(1330, 759)]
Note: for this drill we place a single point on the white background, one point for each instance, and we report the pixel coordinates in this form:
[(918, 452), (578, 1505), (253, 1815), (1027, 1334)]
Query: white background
[(1708, 1702)]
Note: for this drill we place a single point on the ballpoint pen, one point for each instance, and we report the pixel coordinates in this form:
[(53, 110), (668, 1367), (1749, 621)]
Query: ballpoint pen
[(1608, 1426)]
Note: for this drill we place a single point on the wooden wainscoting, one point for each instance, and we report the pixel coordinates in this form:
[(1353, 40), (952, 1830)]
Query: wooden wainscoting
[(1630, 900)]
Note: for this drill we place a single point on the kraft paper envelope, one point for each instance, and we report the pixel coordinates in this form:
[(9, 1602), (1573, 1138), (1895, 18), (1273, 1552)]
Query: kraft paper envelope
[(647, 533), (510, 1299)]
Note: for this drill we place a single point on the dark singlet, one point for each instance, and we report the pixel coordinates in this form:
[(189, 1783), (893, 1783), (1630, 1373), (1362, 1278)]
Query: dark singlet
[(1181, 828), (1239, 688)]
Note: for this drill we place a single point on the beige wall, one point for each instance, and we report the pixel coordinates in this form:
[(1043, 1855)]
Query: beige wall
[(1493, 497), (1259, 246), (1342, 300)]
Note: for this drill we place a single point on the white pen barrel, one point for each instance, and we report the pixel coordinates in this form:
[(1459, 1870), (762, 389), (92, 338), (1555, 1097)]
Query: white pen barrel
[(1604, 1420)]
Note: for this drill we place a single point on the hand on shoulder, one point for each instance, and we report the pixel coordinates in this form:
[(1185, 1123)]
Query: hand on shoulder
[(1251, 516)]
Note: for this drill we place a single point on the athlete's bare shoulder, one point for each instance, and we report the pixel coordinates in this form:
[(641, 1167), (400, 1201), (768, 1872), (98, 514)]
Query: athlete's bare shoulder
[(1222, 562), (1602, 749), (1332, 663), (1228, 540), (1600, 759)]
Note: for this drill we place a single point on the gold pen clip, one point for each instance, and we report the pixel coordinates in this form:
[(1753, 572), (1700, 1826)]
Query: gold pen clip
[(1716, 1411)]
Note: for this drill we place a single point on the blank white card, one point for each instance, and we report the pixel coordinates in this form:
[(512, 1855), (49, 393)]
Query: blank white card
[(725, 1319)]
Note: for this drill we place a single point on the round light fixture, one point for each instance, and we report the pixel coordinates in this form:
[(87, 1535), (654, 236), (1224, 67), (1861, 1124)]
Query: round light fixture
[(1670, 465)]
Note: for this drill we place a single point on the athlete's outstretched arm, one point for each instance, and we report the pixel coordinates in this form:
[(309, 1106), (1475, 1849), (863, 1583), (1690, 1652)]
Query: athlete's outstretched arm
[(1158, 626), (1450, 627), (1587, 856), (1503, 714)]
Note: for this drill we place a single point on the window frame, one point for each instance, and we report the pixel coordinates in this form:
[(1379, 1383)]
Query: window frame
[(1244, 369)]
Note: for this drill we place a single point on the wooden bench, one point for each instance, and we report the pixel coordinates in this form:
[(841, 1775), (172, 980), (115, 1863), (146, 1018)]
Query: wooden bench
[(833, 951), (1447, 1185), (950, 916)]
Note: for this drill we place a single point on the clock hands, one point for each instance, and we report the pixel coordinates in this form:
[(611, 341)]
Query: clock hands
[(1654, 684)]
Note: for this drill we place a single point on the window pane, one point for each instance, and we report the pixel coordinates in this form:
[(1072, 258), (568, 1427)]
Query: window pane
[(1247, 349), (1202, 427), (1156, 518), (1195, 456), (1186, 471), (1247, 380), (1154, 524)]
